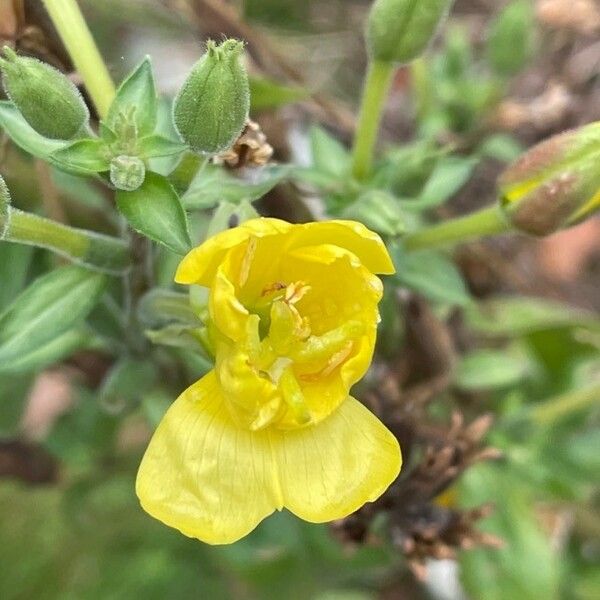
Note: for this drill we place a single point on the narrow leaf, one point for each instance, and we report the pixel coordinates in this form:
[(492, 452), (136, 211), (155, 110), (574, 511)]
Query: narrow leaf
[(328, 154), (431, 274), (49, 307), (57, 349), (154, 210)]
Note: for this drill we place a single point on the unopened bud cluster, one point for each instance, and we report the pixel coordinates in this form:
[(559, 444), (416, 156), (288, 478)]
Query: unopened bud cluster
[(399, 31), (48, 101), (211, 108), (555, 184)]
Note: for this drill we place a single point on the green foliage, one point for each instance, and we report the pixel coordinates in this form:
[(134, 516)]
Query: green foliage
[(154, 209), (534, 364), (49, 308), (486, 369), (510, 42), (527, 567), (431, 274)]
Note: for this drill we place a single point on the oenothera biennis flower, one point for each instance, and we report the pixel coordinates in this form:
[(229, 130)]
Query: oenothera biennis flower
[(293, 318)]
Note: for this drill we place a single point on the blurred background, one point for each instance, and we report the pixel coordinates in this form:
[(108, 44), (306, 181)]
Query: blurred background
[(488, 506)]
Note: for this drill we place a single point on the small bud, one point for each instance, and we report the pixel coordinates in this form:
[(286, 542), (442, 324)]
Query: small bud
[(555, 184), (399, 31), (211, 108), (48, 101), (127, 173), (4, 208)]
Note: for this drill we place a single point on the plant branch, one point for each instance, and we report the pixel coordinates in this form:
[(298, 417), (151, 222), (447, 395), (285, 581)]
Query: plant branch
[(488, 221), (376, 88), (78, 40)]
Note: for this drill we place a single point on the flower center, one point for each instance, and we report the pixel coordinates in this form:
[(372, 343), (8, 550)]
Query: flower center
[(280, 356)]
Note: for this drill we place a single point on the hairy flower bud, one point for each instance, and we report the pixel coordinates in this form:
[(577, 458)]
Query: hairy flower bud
[(127, 172), (555, 184), (48, 101), (211, 108), (399, 31)]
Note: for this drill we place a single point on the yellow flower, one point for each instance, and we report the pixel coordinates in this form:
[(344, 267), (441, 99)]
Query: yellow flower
[(293, 318)]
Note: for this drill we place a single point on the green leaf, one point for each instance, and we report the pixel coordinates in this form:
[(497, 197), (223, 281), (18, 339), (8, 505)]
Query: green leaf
[(177, 336), (214, 185), (527, 567), (125, 384), (432, 274), (501, 147), (86, 157), (138, 91), (157, 146), (512, 317), (20, 132), (511, 38), (15, 260), (328, 154), (267, 94), (49, 307), (57, 349), (449, 175), (154, 210), (488, 369)]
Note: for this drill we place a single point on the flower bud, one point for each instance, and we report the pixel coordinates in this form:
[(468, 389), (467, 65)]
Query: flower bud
[(48, 101), (555, 184), (211, 108), (399, 31), (127, 173)]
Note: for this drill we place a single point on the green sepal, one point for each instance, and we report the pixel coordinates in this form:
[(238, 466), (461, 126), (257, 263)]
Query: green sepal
[(157, 146), (86, 157), (137, 92), (155, 210)]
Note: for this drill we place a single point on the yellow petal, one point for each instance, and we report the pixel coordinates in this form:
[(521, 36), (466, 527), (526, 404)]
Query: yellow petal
[(203, 475), (200, 265), (329, 470), (351, 235)]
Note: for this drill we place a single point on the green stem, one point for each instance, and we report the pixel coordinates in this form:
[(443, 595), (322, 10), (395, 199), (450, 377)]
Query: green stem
[(78, 40), (550, 411), (377, 85), (93, 250), (488, 221)]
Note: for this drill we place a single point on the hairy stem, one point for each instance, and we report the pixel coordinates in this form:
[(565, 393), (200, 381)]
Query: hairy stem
[(377, 85), (78, 40), (488, 221)]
